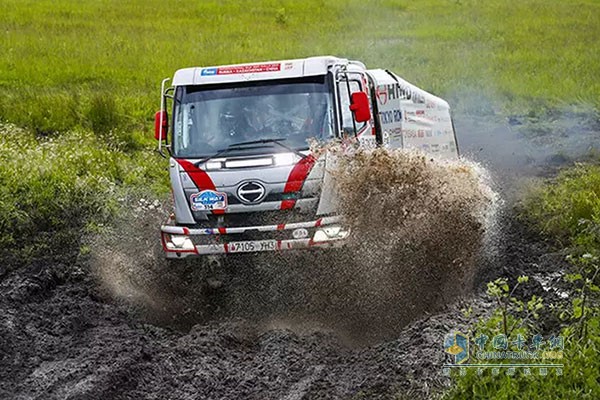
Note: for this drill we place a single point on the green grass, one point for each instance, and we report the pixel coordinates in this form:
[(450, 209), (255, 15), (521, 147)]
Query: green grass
[(59, 57), (53, 190), (567, 210)]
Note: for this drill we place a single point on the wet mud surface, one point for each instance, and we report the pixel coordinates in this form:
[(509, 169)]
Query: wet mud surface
[(60, 337), (95, 327)]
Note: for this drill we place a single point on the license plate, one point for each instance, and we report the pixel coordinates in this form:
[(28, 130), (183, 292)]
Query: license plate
[(246, 247)]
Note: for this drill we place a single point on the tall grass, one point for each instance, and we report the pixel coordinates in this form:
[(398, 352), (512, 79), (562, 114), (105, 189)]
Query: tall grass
[(58, 58), (51, 189), (569, 209)]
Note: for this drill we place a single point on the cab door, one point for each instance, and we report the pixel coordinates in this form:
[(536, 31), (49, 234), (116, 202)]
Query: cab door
[(347, 83)]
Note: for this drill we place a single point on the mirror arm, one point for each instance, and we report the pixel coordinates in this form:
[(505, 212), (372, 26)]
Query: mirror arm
[(162, 109), (350, 98)]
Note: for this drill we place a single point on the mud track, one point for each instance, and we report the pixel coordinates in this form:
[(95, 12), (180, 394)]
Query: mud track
[(63, 337), (60, 338)]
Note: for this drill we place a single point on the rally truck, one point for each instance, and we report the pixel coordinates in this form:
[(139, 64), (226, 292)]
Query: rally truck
[(243, 177)]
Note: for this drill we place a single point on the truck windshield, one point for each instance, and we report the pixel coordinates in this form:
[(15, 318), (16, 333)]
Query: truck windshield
[(210, 118)]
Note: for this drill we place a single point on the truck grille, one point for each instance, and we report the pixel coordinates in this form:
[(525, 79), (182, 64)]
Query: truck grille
[(257, 218)]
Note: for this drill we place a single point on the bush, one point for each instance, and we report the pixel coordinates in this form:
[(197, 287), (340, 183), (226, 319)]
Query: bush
[(103, 115), (51, 188)]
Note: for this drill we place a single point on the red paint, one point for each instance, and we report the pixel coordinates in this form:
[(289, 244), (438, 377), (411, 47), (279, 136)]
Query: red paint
[(222, 231), (296, 179), (299, 173), (161, 125), (287, 204), (319, 222), (280, 227)]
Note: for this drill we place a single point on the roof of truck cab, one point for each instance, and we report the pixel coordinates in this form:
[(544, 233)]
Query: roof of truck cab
[(256, 71)]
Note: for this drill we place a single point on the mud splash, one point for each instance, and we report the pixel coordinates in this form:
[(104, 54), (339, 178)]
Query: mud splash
[(417, 229), (399, 202), (128, 263)]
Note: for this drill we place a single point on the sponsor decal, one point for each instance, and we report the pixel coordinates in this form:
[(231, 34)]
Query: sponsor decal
[(381, 94), (208, 71), (208, 200), (300, 233), (249, 69), (389, 117), (243, 69), (288, 66)]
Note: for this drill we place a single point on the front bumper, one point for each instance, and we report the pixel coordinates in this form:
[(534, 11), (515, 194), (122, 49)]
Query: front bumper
[(180, 241)]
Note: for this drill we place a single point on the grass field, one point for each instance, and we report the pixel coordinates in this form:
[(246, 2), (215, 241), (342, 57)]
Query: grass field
[(98, 64)]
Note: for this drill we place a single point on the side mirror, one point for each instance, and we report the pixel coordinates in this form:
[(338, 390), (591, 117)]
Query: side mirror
[(359, 106), (161, 125)]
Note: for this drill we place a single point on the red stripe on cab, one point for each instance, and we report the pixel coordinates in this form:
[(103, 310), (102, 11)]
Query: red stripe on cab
[(296, 179), (287, 204), (299, 173)]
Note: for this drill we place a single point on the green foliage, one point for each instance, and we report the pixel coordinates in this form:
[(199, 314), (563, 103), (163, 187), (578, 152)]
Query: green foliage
[(103, 114), (50, 188), (578, 379), (65, 64), (515, 317), (569, 208)]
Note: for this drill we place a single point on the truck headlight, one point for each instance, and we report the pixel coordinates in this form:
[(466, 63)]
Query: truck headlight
[(280, 159), (179, 242), (212, 165), (332, 232)]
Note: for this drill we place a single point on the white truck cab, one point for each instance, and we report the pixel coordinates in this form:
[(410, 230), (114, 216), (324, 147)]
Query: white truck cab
[(238, 138)]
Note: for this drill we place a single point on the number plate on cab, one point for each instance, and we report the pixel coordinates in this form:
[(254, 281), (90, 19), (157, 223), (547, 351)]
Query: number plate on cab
[(250, 246)]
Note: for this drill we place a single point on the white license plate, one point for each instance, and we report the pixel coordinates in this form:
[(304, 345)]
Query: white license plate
[(257, 245)]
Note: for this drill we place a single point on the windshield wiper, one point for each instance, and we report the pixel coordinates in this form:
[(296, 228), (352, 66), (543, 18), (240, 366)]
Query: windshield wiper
[(234, 146), (276, 141)]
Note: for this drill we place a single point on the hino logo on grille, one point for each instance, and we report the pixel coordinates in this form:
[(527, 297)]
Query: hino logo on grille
[(251, 192)]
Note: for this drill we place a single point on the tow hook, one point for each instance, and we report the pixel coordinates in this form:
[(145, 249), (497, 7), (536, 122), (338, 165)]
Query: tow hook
[(215, 270)]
